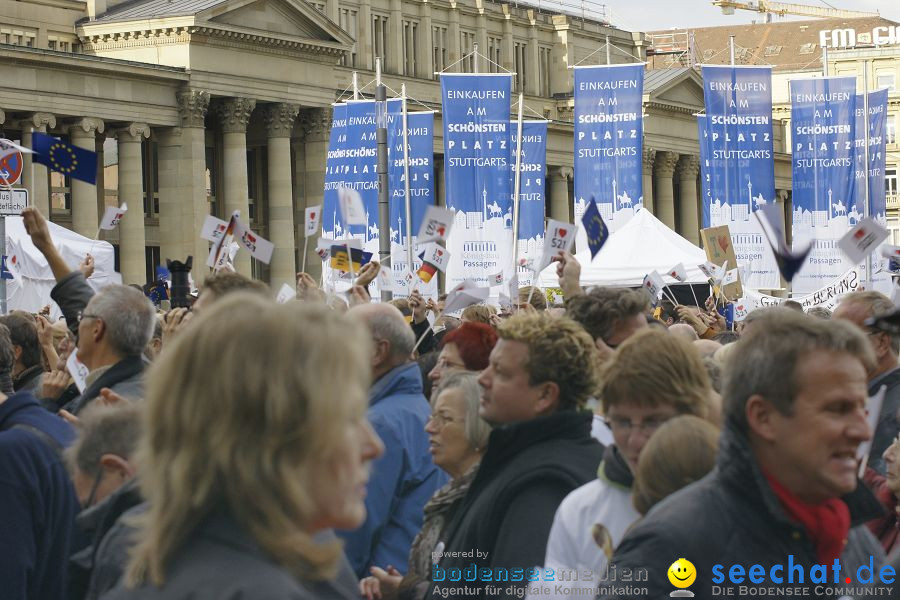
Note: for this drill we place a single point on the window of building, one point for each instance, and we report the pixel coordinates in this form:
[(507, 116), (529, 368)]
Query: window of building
[(439, 47), (29, 40), (886, 80), (494, 53), (544, 54), (51, 44), (212, 181), (152, 258), (150, 176), (466, 46), (520, 53), (890, 129), (349, 22), (379, 37), (807, 48), (772, 50), (410, 43), (5, 36), (890, 180)]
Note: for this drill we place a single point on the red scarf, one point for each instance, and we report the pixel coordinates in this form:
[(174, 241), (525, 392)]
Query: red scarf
[(827, 524)]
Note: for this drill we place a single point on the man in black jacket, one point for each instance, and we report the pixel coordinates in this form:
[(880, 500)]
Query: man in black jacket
[(540, 373), (857, 308), (784, 507), (112, 326)]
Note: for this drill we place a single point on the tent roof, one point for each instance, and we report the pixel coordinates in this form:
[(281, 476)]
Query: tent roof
[(642, 245)]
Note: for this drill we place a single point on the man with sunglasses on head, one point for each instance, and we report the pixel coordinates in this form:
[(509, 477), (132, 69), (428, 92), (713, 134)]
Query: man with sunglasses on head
[(112, 327), (857, 307)]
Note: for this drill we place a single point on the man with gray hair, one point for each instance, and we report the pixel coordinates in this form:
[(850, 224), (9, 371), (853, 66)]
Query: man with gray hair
[(785, 483), (858, 307), (111, 327), (405, 477)]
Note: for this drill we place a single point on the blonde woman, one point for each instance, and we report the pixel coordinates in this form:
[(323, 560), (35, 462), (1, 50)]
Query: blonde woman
[(256, 442)]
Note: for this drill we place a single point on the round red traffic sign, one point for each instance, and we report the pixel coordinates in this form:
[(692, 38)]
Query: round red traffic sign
[(11, 167)]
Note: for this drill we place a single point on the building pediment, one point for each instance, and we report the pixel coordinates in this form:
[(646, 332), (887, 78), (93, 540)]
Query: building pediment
[(680, 90), (265, 26)]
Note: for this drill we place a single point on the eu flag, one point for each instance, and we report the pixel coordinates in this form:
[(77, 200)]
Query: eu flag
[(595, 228), (65, 158)]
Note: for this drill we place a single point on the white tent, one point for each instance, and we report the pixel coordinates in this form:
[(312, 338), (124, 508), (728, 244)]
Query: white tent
[(642, 245), (31, 291)]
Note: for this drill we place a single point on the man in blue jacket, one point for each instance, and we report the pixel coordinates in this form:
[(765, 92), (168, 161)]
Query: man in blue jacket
[(405, 477), (37, 501)]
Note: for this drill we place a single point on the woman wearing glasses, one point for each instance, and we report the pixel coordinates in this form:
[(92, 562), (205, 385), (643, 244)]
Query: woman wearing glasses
[(458, 439)]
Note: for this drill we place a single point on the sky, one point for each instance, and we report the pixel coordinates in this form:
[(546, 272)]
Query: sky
[(648, 15)]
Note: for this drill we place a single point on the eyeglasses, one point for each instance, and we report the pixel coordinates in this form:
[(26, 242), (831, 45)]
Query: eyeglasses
[(626, 427), (82, 315), (441, 420), (443, 363)]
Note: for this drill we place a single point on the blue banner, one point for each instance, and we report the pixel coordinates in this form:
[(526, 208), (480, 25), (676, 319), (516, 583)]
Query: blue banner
[(532, 195), (608, 143), (823, 124), (878, 107), (741, 163), (705, 168), (336, 169), (352, 163), (476, 172), (420, 141)]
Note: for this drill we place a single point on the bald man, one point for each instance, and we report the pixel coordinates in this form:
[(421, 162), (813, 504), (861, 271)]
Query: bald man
[(405, 477)]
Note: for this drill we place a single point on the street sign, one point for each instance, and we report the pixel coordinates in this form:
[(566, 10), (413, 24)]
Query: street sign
[(13, 202), (11, 167)]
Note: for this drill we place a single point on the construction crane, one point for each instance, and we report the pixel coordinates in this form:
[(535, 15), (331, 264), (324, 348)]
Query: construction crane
[(782, 8)]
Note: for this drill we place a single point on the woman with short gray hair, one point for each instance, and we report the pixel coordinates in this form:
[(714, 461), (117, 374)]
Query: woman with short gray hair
[(458, 440)]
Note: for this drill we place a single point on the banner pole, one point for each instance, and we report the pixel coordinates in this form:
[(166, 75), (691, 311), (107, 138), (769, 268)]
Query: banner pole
[(305, 249), (355, 85), (516, 187), (409, 245), (381, 152), (866, 155)]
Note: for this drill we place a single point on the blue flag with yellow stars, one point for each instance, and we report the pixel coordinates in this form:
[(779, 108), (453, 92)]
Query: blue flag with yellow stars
[(64, 158), (595, 228)]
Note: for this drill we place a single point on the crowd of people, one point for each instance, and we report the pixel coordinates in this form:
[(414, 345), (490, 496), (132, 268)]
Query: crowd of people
[(334, 447)]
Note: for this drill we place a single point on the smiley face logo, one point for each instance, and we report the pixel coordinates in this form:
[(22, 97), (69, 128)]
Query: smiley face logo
[(682, 573)]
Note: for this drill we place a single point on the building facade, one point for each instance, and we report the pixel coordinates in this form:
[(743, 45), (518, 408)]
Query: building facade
[(209, 106)]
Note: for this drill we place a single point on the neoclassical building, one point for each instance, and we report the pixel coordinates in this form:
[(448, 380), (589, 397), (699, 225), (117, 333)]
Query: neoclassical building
[(209, 106)]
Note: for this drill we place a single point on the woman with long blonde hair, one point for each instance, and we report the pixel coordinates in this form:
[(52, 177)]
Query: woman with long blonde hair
[(255, 443)]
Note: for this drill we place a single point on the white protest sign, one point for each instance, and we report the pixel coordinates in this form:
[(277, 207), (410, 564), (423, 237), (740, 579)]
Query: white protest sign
[(653, 285), (558, 237), (260, 248), (112, 216), (678, 272), (730, 277), (312, 217), (78, 370), (285, 294), (861, 241), (213, 229), (463, 295), (352, 209), (435, 225), (437, 256)]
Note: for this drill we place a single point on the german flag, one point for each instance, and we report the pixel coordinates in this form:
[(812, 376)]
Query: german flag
[(426, 271)]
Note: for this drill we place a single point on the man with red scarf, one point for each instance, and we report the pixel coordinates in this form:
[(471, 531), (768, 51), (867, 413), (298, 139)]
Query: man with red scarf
[(785, 490)]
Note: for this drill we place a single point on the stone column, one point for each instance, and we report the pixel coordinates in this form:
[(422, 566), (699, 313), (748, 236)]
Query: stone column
[(664, 168), (132, 254), (454, 52), (394, 50), (439, 187), (560, 206), (182, 183), (647, 164), (506, 56), (425, 58), (84, 195), (332, 10), (279, 123), (234, 114), (35, 176), (364, 58), (316, 124), (533, 79), (783, 197), (689, 221), (481, 35)]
